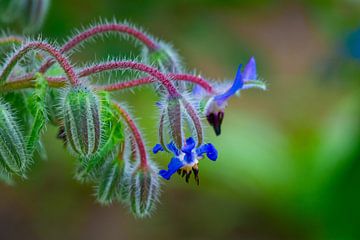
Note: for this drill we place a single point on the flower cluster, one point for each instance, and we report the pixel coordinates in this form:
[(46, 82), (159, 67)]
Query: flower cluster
[(39, 85)]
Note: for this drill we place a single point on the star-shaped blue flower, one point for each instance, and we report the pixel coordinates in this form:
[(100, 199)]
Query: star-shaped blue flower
[(245, 79), (186, 159)]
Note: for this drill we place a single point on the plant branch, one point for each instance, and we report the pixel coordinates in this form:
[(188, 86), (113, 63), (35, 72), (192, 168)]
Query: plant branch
[(100, 29), (64, 63), (135, 132)]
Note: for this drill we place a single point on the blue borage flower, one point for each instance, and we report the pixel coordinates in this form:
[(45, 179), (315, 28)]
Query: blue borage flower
[(187, 159), (214, 109)]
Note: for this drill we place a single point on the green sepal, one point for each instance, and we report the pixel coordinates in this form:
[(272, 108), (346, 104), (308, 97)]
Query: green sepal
[(175, 121), (144, 191), (13, 155), (111, 180)]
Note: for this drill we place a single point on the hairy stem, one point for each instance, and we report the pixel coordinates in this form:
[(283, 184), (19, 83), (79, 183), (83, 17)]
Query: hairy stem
[(136, 134), (173, 92), (64, 63), (101, 29), (27, 81), (147, 80)]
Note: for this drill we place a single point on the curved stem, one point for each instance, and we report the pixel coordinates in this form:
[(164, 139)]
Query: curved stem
[(147, 80), (100, 29), (136, 133), (193, 79), (134, 66), (64, 63), (27, 81)]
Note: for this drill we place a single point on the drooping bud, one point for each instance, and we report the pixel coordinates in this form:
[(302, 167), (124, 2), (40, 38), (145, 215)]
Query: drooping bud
[(175, 121), (13, 155), (144, 190), (111, 181), (82, 120)]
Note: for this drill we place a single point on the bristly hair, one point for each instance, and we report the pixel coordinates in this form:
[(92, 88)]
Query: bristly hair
[(107, 33)]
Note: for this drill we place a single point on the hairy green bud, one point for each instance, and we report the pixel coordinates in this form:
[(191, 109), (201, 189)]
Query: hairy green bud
[(175, 121), (13, 155), (111, 180), (37, 107), (82, 120), (144, 190), (112, 137)]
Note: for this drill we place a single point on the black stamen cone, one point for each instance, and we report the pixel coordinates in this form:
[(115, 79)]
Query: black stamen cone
[(215, 120)]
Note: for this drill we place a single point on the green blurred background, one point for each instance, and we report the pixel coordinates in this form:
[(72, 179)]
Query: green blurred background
[(289, 164)]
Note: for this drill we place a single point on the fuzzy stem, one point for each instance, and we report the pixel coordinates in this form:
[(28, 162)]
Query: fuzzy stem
[(136, 133), (173, 92), (27, 81), (111, 27), (193, 79), (147, 80), (100, 29), (64, 63), (10, 40)]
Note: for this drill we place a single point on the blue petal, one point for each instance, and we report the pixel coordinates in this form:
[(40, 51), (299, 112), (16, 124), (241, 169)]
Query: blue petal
[(157, 148), (237, 84), (190, 145), (210, 151), (250, 70), (174, 165), (171, 146)]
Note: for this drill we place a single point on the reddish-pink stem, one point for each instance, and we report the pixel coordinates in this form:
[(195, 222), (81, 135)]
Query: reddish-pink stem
[(134, 66), (64, 63), (193, 79), (147, 80), (136, 133), (99, 29)]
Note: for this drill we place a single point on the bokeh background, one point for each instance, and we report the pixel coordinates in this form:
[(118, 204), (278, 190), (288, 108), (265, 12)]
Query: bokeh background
[(289, 165)]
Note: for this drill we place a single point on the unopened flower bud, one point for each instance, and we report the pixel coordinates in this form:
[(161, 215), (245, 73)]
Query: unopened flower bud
[(13, 154), (82, 120), (144, 190), (111, 181), (175, 121)]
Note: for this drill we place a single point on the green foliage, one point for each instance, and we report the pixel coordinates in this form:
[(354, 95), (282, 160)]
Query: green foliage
[(37, 106)]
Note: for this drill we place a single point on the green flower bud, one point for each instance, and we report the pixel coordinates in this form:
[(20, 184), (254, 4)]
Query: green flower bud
[(82, 120), (13, 155), (144, 190), (111, 180), (175, 121)]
